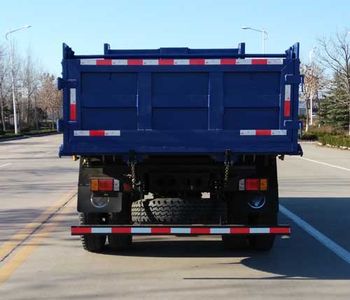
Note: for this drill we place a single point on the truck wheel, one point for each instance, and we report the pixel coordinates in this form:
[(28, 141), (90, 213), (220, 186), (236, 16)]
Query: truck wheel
[(119, 242), (92, 243), (264, 242), (176, 211), (234, 242)]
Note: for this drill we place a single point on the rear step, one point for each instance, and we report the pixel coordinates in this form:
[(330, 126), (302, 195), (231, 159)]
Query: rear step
[(180, 229)]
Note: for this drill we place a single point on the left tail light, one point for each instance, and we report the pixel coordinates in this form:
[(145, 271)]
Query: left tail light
[(104, 185)]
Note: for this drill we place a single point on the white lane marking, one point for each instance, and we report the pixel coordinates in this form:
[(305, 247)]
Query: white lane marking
[(4, 165), (326, 164), (324, 240)]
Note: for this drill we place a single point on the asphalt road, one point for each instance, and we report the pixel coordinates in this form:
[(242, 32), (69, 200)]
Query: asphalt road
[(36, 188)]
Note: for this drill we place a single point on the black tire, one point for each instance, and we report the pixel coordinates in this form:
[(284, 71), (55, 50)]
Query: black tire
[(119, 242), (264, 242), (235, 242), (92, 243), (176, 211)]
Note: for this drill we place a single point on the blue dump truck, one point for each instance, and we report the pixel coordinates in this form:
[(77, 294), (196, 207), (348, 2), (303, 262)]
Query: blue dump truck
[(179, 141)]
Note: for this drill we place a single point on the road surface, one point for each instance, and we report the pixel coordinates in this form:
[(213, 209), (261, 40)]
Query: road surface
[(40, 260)]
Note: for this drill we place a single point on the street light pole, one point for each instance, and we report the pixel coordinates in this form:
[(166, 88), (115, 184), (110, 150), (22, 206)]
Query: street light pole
[(264, 35), (13, 75)]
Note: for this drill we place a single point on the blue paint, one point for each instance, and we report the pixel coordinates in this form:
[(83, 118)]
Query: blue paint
[(182, 109)]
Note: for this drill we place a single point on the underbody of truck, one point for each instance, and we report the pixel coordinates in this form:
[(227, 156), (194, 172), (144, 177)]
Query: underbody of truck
[(190, 195)]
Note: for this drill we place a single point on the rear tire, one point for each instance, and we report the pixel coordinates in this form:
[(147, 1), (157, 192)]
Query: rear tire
[(234, 242), (92, 243), (176, 211), (119, 242), (264, 242)]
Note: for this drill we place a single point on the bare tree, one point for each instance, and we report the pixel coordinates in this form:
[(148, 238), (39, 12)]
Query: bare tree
[(335, 55), (30, 84), (50, 99), (314, 82), (4, 86)]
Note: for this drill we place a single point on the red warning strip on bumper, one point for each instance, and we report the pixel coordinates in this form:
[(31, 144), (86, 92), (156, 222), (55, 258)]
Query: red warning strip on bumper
[(174, 230)]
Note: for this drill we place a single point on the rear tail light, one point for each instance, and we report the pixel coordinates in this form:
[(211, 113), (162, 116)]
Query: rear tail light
[(253, 184), (104, 184)]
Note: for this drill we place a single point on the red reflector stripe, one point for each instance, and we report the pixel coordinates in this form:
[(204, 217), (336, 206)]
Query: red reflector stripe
[(279, 230), (197, 61), (228, 61), (160, 230), (287, 108), (135, 62), (259, 61), (263, 132), (199, 230), (80, 230), (238, 230), (121, 229), (97, 132), (166, 62), (103, 62), (73, 112), (105, 185), (252, 184)]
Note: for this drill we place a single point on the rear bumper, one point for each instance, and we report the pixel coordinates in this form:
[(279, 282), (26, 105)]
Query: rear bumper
[(183, 230)]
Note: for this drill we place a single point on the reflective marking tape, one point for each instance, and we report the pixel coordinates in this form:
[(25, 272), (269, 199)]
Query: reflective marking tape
[(72, 104), (181, 61), (178, 62), (96, 132), (287, 96), (81, 132), (180, 230), (194, 230), (144, 230), (101, 230), (219, 230), (262, 132), (259, 230)]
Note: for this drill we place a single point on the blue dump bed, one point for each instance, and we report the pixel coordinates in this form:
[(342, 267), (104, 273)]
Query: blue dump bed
[(180, 101)]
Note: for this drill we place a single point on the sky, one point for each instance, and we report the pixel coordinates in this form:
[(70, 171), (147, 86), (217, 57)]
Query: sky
[(86, 25)]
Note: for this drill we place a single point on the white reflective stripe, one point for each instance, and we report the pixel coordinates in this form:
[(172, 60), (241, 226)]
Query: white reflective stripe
[(247, 132), (243, 61), (81, 133), (150, 62), (140, 230), (241, 185), (181, 61), (101, 230), (116, 185), (112, 132), (259, 230), (275, 61), (72, 96), (180, 230), (212, 61), (88, 61), (119, 62), (287, 92), (214, 230), (279, 132)]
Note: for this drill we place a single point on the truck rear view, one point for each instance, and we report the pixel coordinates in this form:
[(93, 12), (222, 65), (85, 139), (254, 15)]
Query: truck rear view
[(179, 141)]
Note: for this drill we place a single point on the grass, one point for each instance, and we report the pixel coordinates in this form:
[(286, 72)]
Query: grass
[(6, 135)]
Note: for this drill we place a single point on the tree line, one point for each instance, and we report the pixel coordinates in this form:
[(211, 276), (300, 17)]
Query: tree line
[(38, 102), (327, 84)]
